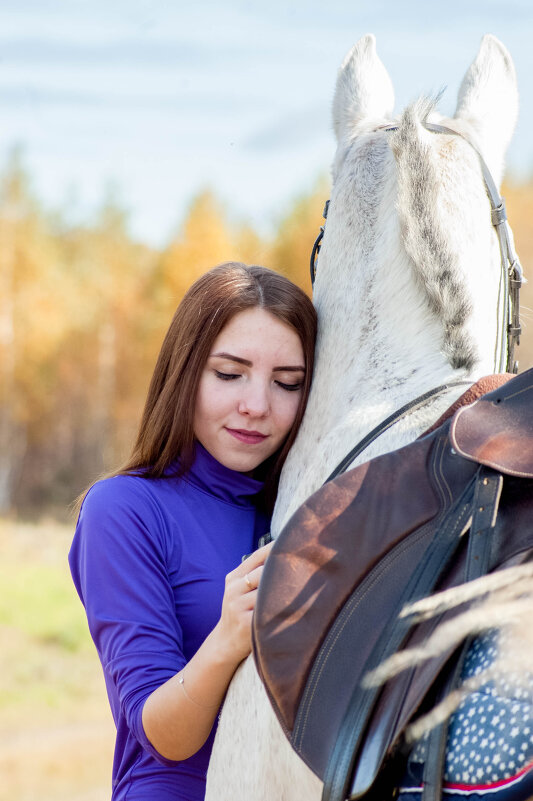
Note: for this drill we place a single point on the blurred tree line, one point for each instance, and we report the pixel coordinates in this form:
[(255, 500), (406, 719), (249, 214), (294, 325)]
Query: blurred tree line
[(83, 310)]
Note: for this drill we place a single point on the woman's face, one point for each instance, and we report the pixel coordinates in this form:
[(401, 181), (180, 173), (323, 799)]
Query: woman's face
[(250, 389)]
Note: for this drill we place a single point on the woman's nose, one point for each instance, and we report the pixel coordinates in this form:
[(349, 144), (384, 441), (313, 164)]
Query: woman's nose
[(255, 401)]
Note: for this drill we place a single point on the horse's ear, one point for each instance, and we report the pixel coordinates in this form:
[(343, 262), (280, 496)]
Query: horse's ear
[(364, 89), (488, 101)]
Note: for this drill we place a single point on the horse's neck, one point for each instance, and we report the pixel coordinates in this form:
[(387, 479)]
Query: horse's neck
[(363, 373), (345, 407), (388, 331), (370, 362)]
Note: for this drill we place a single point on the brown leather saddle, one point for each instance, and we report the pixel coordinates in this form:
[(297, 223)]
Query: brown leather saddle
[(453, 505)]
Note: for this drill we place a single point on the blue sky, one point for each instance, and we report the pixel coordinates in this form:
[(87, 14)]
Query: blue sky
[(162, 98)]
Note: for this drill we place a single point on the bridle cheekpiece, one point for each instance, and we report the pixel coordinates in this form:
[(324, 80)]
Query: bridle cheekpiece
[(511, 268)]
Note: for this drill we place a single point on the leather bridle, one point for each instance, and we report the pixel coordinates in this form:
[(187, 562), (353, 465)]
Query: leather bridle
[(510, 283), (511, 267)]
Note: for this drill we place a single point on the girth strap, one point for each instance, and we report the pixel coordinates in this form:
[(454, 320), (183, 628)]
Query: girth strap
[(486, 500)]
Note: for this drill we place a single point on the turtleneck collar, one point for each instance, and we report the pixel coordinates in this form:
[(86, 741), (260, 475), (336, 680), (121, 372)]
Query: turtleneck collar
[(228, 485)]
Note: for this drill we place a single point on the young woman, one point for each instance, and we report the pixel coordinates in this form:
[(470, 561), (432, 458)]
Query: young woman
[(156, 556)]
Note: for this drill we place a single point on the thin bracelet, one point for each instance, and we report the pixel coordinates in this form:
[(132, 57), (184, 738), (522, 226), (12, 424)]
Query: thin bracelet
[(181, 680)]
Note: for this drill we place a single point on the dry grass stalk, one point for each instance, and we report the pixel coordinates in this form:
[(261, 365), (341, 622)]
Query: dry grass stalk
[(502, 600)]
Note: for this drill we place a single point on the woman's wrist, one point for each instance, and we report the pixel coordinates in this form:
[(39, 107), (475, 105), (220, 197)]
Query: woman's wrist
[(181, 682), (222, 651)]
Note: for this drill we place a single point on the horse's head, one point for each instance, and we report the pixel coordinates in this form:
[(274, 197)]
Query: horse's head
[(410, 255)]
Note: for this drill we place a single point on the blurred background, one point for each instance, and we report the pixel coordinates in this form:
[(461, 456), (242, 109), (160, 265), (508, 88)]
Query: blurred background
[(141, 143)]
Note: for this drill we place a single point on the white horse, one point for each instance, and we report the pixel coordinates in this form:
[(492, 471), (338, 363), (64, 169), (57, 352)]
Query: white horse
[(409, 297)]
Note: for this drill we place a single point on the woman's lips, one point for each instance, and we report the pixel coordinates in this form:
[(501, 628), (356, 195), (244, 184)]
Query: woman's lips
[(249, 437)]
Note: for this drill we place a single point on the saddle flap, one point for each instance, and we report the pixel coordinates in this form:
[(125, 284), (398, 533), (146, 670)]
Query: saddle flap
[(321, 555), (497, 429), (335, 577)]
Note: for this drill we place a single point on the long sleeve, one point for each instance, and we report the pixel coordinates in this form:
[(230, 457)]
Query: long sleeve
[(119, 565), (149, 561)]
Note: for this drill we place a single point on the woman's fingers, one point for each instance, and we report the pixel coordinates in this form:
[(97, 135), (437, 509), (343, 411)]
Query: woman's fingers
[(239, 601), (252, 579), (248, 582), (238, 583), (245, 602), (246, 576), (255, 559)]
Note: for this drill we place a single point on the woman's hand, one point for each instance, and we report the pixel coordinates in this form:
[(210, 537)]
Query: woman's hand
[(234, 629), (177, 719)]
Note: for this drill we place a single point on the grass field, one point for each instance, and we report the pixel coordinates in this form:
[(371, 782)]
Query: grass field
[(56, 731)]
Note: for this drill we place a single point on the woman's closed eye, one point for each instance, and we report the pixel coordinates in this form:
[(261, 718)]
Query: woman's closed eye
[(290, 387), (226, 376)]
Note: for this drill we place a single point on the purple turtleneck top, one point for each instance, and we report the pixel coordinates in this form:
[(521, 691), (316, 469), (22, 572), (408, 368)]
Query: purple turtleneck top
[(149, 560)]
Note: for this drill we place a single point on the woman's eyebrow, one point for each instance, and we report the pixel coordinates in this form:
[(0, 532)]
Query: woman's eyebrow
[(223, 355), (289, 368)]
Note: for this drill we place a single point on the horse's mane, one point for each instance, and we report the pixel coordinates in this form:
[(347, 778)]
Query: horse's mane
[(434, 260)]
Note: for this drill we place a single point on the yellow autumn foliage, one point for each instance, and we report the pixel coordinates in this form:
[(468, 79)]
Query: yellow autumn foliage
[(83, 311)]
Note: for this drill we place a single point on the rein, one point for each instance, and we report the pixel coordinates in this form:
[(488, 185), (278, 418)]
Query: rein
[(390, 421), (511, 278)]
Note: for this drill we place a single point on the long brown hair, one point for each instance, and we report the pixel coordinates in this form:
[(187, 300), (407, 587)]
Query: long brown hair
[(166, 428)]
